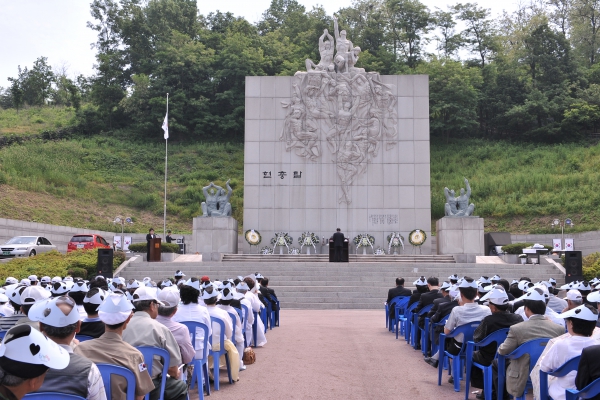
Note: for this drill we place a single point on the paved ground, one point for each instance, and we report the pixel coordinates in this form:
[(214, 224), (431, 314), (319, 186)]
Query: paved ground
[(336, 354)]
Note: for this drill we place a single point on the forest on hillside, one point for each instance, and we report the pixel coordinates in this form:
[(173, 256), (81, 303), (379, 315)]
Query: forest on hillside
[(532, 75)]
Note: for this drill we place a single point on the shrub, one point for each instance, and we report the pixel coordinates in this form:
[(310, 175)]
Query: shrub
[(517, 248), (591, 266), (164, 247), (78, 273)]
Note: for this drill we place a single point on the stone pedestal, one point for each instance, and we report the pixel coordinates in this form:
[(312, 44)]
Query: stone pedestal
[(461, 237), (214, 236)]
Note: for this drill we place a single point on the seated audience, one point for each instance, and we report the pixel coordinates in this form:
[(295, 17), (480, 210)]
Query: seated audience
[(110, 348), (227, 296), (589, 368), (190, 310), (242, 288), (59, 320), (13, 292), (261, 339), (29, 297), (6, 309), (268, 293), (398, 290), (426, 299), (92, 325), (444, 309), (170, 299), (77, 293)]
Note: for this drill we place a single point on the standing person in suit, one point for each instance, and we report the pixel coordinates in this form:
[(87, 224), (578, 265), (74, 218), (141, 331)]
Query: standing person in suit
[(426, 299), (149, 237), (169, 238), (338, 244), (536, 327)]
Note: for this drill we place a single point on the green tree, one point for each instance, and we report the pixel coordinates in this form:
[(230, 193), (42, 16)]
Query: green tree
[(449, 42), (408, 23), (479, 34), (585, 31)]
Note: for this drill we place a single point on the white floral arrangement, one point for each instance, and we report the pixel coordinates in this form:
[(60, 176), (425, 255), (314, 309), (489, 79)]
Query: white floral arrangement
[(364, 240), (522, 255), (308, 239), (395, 239), (252, 237), (379, 252), (281, 239), (417, 237), (294, 251), (266, 251)]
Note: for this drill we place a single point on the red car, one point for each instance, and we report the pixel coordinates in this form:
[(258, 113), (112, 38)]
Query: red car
[(87, 242)]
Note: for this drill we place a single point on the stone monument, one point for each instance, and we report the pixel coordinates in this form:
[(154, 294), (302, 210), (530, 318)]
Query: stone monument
[(460, 233), (337, 146), (215, 232)]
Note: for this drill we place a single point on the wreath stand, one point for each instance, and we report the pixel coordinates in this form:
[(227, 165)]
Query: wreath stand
[(415, 247), (281, 246), (308, 246), (395, 247), (365, 248)]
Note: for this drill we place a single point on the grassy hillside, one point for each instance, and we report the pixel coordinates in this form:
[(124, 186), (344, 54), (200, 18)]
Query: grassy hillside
[(32, 120), (87, 182)]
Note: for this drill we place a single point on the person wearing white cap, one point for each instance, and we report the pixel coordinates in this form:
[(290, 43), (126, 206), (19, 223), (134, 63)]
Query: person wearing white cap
[(555, 303), (442, 307), (13, 292), (227, 296), (210, 295), (178, 276), (25, 357), (501, 318), (33, 279), (144, 330), (29, 297), (77, 293), (170, 299), (92, 325), (427, 298), (190, 310), (242, 288), (421, 285), (574, 299), (581, 322), (59, 320), (6, 309), (467, 312), (536, 326), (261, 339), (110, 348), (549, 314), (11, 281)]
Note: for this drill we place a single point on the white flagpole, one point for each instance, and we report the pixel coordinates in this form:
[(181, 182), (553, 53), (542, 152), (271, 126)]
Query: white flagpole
[(166, 155)]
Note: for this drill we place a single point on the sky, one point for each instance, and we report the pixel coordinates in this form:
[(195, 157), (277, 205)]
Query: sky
[(57, 29)]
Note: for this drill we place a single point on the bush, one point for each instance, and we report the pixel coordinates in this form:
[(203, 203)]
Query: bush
[(78, 273), (517, 248), (591, 266), (164, 247)]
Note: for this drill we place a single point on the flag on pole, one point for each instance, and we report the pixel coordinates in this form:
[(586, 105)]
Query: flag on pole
[(165, 126)]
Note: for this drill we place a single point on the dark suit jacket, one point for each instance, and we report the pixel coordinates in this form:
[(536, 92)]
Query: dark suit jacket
[(443, 310), (436, 305), (427, 299), (413, 298), (338, 239), (589, 368), (397, 291), (269, 295), (148, 239), (489, 325)]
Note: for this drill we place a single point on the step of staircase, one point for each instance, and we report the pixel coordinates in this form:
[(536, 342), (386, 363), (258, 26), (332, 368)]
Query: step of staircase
[(353, 258), (307, 284)]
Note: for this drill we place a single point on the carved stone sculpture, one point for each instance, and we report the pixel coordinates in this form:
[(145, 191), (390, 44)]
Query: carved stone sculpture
[(458, 206), (217, 201), (349, 109)]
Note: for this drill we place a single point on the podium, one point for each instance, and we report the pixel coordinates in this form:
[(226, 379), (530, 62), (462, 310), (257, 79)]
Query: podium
[(345, 256), (155, 254)]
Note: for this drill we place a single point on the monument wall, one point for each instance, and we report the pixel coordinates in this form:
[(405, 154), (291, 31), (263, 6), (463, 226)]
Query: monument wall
[(329, 179)]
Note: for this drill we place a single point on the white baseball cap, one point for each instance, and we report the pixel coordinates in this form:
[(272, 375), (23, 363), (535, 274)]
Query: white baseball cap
[(133, 284), (169, 297), (552, 280), (115, 309), (227, 294), (495, 278), (195, 284), (583, 285), (59, 288), (166, 283), (525, 285), (27, 353), (420, 282), (25, 282), (453, 277), (258, 275), (179, 274), (11, 281), (453, 292), (535, 293), (33, 278), (497, 295), (13, 292), (484, 279), (209, 293), (242, 286), (581, 312), (574, 295), (145, 293), (3, 298), (465, 284), (484, 289), (33, 294), (57, 279), (48, 312), (95, 298), (79, 286), (593, 297), (46, 279), (445, 286)]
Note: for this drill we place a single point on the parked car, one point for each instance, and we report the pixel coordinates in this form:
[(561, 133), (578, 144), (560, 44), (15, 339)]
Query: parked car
[(87, 242), (25, 246)]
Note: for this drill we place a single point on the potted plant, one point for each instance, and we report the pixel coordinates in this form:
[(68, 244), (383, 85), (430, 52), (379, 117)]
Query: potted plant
[(523, 258)]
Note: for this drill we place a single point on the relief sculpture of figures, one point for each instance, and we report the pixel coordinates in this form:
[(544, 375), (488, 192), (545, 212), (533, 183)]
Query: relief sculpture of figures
[(217, 201), (342, 106), (459, 206)]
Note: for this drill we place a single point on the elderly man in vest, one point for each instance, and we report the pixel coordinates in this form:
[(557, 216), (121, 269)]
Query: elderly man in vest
[(59, 321)]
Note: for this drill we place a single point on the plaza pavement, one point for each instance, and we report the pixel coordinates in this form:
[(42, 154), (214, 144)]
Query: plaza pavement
[(336, 354)]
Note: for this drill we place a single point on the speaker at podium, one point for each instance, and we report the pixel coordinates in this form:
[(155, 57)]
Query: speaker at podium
[(345, 253)]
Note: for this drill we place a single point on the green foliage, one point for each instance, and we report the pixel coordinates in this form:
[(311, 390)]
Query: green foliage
[(164, 247), (517, 248), (33, 120)]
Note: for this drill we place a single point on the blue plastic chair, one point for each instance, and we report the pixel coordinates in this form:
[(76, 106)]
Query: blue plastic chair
[(591, 390), (399, 311), (216, 355), (456, 367), (83, 338), (255, 327), (245, 314), (52, 396), (269, 313), (234, 318), (435, 347), (149, 353), (415, 324), (405, 321), (534, 348), (108, 370), (263, 316), (388, 316), (497, 337), (2, 334), (240, 315), (563, 370), (200, 364)]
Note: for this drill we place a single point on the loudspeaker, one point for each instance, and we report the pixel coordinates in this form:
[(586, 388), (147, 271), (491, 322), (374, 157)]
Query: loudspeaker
[(573, 266), (104, 266)]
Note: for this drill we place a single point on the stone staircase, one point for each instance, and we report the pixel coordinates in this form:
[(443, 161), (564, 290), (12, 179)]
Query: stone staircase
[(312, 284), (324, 258)]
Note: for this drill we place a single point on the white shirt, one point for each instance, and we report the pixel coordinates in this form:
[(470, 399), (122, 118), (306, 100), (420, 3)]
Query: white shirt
[(7, 310), (250, 317), (254, 301), (221, 314), (469, 312), (561, 352), (239, 336), (195, 312), (556, 303)]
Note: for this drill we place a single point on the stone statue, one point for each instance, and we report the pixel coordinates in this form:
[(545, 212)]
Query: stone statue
[(459, 206), (326, 52), (217, 201), (339, 107)]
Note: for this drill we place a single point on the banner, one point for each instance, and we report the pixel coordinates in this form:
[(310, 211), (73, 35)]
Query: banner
[(127, 243), (117, 242), (557, 244), (569, 246)]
